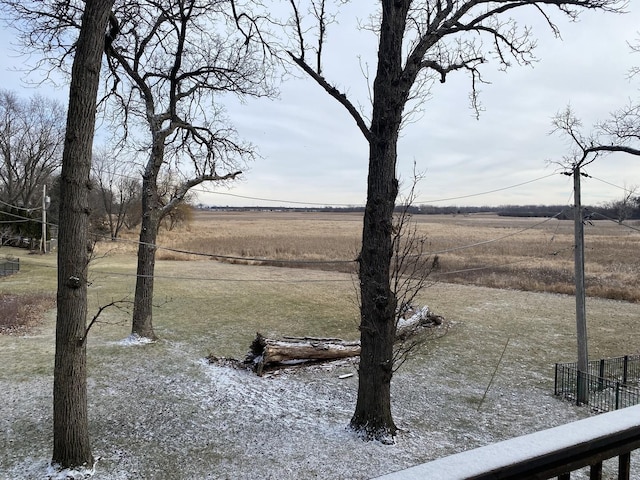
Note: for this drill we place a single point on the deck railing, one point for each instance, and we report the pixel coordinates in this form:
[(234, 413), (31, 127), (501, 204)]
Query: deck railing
[(552, 453)]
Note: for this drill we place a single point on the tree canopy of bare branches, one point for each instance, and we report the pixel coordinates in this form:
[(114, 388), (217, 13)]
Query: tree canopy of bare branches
[(418, 42), (117, 190), (620, 132), (31, 139)]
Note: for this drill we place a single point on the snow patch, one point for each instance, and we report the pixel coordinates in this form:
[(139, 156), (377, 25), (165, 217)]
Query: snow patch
[(56, 472), (135, 339)]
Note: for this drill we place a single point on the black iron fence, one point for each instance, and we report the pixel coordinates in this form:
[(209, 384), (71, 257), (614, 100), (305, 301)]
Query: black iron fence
[(9, 266), (609, 384)]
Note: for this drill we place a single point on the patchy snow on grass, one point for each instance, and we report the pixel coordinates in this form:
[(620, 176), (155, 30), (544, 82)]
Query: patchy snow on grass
[(56, 472), (168, 414), (165, 413), (134, 339)]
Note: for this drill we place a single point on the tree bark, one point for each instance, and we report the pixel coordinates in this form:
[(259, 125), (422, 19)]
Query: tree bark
[(142, 323), (372, 417), (71, 446)]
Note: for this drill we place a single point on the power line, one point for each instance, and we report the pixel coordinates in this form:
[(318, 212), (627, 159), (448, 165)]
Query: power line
[(235, 257), (20, 208), (486, 242), (612, 184), (486, 192), (272, 200), (348, 205), (622, 224), (265, 260), (323, 262)]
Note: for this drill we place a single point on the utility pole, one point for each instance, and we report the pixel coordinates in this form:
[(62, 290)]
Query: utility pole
[(581, 317), (45, 205), (43, 241)]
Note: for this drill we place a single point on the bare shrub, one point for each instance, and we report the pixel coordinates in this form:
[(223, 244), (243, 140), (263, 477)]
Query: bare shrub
[(19, 313)]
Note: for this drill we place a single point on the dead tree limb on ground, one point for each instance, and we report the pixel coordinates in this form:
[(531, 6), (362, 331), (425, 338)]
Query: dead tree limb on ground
[(269, 353)]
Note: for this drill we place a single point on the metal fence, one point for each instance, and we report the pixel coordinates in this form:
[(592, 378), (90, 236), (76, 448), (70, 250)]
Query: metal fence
[(609, 384), (9, 266)]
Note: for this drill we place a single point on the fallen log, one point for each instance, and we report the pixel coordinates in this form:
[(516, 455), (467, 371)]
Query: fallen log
[(266, 352), (269, 353), (413, 321)]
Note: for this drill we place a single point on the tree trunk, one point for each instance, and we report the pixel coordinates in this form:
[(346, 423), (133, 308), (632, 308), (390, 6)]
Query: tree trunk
[(372, 417), (142, 324), (71, 446)]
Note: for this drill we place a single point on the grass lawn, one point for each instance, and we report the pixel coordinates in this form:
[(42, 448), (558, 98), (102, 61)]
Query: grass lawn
[(159, 411)]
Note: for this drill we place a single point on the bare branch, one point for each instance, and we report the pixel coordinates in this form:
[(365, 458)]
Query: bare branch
[(115, 303), (335, 93), (585, 150)]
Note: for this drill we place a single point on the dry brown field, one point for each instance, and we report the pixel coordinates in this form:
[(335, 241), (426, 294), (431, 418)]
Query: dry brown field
[(530, 254)]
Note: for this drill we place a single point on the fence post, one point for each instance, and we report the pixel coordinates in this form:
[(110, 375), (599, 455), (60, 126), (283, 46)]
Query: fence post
[(626, 369), (601, 376), (617, 395), (555, 381)]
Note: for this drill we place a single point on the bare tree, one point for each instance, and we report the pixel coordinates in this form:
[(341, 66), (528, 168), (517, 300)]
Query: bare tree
[(623, 208), (411, 267), (118, 189), (417, 41), (31, 139), (168, 64), (618, 134), (71, 446)]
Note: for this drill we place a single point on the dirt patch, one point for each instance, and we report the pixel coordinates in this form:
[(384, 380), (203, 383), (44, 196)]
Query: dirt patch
[(21, 313)]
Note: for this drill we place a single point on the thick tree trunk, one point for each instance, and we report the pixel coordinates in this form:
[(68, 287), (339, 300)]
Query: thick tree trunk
[(71, 447), (142, 324), (372, 417)]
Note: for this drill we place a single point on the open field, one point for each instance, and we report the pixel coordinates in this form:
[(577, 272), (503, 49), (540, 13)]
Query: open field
[(159, 411), (533, 254)]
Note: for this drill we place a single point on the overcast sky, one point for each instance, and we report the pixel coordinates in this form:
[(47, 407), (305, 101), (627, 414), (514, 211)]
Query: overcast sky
[(312, 151)]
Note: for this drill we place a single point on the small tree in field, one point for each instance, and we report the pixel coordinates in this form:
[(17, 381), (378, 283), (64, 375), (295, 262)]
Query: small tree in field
[(417, 41), (117, 191), (624, 207)]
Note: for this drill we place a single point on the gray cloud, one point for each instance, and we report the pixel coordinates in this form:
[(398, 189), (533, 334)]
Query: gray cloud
[(313, 152)]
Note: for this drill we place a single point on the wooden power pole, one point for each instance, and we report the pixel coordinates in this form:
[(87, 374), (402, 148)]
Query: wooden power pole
[(581, 317), (43, 240)]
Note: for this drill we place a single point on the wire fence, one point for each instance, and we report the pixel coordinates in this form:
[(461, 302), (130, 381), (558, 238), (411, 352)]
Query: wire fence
[(609, 384), (9, 266)]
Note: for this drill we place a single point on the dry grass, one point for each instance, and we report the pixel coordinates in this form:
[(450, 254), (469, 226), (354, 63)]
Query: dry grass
[(530, 254)]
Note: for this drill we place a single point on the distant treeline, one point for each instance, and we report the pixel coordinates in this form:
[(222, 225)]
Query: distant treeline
[(563, 212)]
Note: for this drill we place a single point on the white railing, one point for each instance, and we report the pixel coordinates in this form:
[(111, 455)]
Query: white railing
[(555, 452)]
